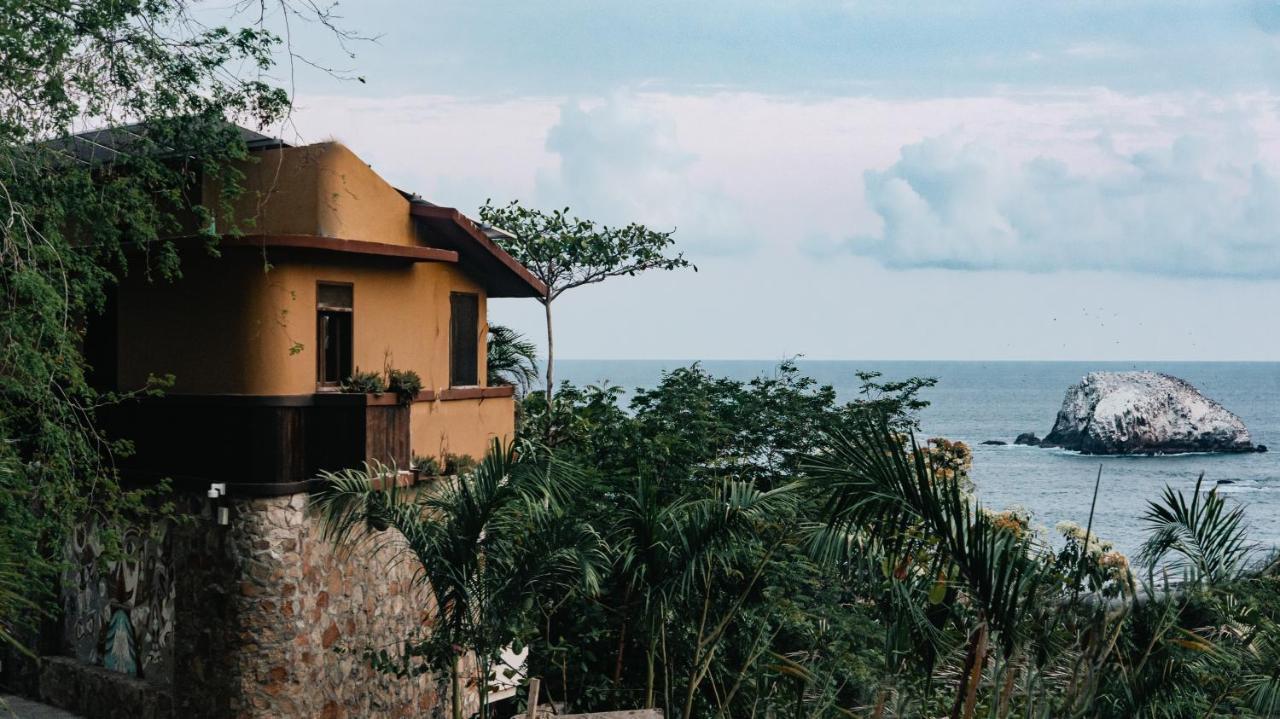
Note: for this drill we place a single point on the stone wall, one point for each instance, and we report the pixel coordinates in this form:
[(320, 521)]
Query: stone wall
[(270, 620), (282, 621)]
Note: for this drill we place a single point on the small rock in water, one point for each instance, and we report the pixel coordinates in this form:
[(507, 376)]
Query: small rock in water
[(1226, 481), (1144, 413), (1028, 438), (995, 442)]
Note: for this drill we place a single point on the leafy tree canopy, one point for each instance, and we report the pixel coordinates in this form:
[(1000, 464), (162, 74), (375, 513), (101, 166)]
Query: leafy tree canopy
[(75, 216), (566, 252)]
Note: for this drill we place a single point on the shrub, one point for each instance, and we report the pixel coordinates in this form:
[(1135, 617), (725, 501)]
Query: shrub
[(428, 466), (405, 383), (455, 464), (364, 383)]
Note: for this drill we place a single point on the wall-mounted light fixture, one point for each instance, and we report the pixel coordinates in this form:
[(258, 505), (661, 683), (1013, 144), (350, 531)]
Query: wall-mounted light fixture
[(216, 491)]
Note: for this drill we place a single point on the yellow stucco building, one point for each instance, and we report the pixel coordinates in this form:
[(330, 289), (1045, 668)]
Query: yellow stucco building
[(331, 271)]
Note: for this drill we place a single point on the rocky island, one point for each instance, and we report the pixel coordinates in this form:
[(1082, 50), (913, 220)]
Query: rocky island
[(1144, 413)]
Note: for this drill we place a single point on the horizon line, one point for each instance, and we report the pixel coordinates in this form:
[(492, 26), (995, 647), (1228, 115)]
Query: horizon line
[(802, 358)]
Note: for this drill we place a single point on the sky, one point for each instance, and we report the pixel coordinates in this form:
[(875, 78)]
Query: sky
[(859, 180)]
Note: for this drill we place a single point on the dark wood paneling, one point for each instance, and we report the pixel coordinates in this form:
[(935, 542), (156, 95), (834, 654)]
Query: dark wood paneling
[(250, 439), (387, 434)]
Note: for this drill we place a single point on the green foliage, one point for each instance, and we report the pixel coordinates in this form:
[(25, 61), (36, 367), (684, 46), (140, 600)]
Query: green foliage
[(512, 359), (855, 573), (70, 227), (482, 542), (364, 383), (1206, 537), (428, 466), (712, 606), (759, 548), (453, 465), (456, 464), (567, 252), (406, 384), (1072, 633), (898, 401)]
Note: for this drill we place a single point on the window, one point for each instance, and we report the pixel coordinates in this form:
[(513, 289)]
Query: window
[(333, 333), (464, 339)]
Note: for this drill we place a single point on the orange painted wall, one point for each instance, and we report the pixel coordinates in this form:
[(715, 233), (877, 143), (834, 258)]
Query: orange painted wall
[(230, 325), (401, 319), (465, 426), (322, 189)]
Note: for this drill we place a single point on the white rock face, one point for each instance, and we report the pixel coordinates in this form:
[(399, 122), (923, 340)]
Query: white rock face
[(1142, 412)]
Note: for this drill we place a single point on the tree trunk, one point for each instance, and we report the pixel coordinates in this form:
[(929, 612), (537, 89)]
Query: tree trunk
[(455, 688), (622, 651), (975, 661), (650, 657), (882, 698), (1006, 694), (551, 355)]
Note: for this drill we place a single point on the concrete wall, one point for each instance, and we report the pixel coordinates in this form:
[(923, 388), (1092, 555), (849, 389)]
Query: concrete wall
[(232, 326), (194, 328), (322, 189), (460, 426)]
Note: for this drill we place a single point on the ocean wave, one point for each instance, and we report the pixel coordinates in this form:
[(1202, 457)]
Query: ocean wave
[(1238, 488)]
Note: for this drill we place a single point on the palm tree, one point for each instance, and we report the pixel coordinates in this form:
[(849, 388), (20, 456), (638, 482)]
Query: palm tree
[(886, 498), (512, 359), (482, 542), (664, 551)]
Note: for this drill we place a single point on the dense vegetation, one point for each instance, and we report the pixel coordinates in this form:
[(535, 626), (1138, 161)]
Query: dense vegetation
[(713, 547), (738, 549), (72, 225), (66, 225)]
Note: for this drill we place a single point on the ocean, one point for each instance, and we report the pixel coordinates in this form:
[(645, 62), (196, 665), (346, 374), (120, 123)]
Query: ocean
[(978, 401)]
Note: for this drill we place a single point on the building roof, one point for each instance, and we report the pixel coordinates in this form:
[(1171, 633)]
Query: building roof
[(501, 274), (107, 144)]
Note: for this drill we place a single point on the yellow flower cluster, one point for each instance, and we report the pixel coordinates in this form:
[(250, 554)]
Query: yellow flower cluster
[(1101, 552)]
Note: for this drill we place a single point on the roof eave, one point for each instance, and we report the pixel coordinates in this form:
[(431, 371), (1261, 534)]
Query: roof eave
[(498, 271)]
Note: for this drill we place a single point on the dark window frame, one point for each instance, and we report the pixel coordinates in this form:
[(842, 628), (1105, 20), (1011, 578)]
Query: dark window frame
[(323, 312), (455, 380)]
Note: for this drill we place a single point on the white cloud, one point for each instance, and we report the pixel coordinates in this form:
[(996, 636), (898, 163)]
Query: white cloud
[(621, 162), (1194, 206), (793, 171), (453, 151)]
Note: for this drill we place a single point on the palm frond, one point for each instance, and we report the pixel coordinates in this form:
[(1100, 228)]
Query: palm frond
[(881, 485), (1200, 537), (482, 542), (714, 525), (512, 360)]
